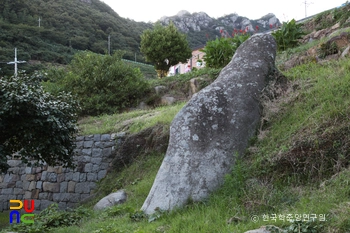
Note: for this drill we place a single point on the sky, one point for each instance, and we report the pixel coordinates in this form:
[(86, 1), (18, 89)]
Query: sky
[(285, 10)]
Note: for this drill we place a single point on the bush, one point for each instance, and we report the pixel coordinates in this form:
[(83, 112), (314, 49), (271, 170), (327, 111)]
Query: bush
[(35, 124), (288, 35), (103, 84), (219, 52)]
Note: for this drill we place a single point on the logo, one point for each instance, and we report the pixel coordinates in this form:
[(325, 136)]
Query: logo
[(25, 218)]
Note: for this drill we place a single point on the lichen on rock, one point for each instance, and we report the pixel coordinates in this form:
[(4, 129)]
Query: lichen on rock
[(212, 127)]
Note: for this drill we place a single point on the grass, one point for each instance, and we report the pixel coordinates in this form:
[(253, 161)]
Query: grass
[(4, 219), (130, 122), (289, 53), (135, 121), (229, 209), (323, 96), (250, 197)]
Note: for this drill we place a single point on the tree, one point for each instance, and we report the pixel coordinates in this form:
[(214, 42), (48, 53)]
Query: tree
[(34, 124), (165, 47)]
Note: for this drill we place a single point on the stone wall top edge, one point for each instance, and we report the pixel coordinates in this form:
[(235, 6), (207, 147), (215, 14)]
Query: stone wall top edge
[(92, 136)]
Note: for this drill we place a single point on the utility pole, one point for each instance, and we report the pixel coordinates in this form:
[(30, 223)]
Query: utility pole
[(39, 21), (306, 5), (109, 44), (15, 62)]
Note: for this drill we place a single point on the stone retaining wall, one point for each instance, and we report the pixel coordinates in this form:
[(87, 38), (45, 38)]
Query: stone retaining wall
[(65, 186)]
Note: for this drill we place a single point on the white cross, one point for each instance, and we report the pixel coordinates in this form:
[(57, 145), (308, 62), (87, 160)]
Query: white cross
[(15, 62)]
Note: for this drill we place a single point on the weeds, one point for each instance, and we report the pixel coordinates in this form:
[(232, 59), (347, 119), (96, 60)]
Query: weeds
[(51, 218), (288, 35), (326, 49), (297, 226)]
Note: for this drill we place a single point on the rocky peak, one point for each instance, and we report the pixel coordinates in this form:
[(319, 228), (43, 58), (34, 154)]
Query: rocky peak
[(183, 13), (269, 19), (197, 22), (243, 23), (185, 21)]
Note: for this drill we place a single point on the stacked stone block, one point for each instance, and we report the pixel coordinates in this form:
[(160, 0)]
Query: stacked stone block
[(65, 186)]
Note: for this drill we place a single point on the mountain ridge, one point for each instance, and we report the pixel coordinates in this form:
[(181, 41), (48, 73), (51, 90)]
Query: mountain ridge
[(228, 25)]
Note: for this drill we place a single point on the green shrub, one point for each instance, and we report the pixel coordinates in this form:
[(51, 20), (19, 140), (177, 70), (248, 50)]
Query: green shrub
[(52, 217), (103, 84), (34, 123), (219, 52), (288, 35)]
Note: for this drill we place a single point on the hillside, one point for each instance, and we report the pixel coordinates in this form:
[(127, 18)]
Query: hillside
[(66, 26), (294, 177)]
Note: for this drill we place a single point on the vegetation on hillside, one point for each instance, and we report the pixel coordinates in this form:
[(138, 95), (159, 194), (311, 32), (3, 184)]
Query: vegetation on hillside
[(102, 84), (329, 18), (279, 180), (66, 26), (147, 70), (138, 120)]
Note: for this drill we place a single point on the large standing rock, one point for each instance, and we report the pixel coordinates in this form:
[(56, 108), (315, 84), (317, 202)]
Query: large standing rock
[(214, 125)]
